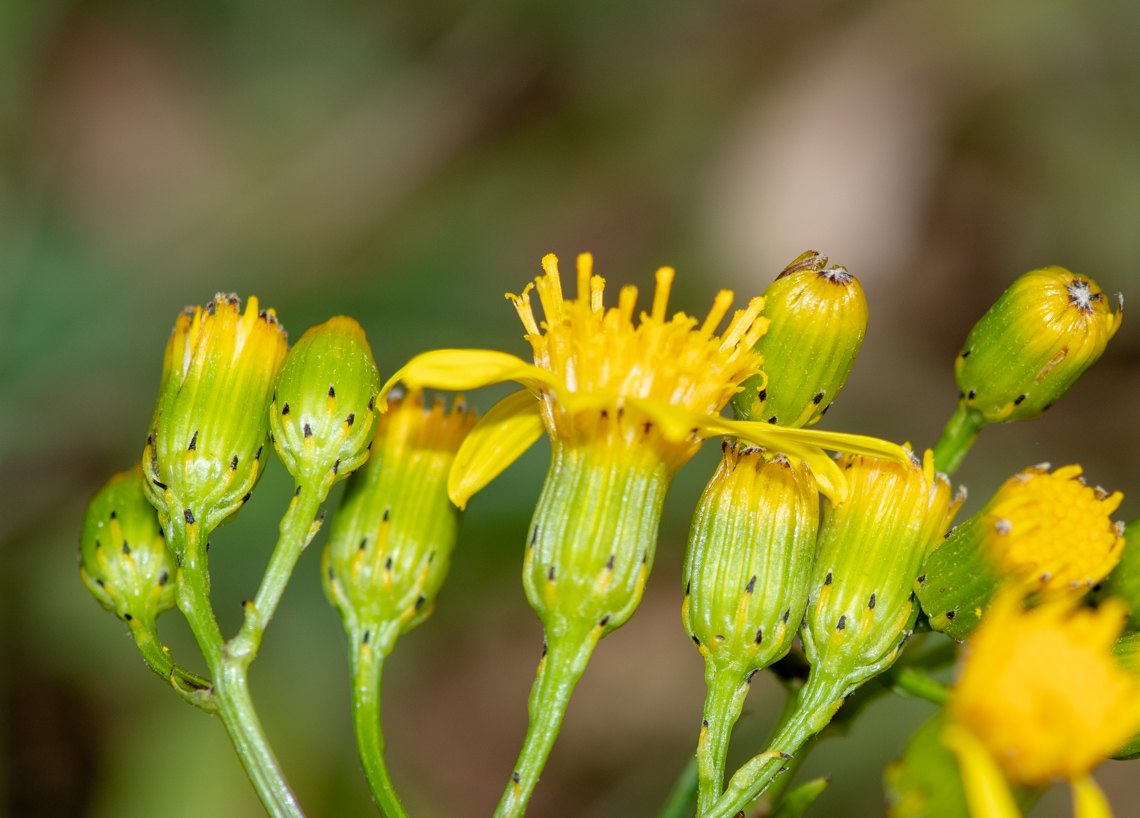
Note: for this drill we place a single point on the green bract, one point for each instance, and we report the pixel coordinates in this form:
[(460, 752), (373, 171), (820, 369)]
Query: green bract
[(323, 410), (1124, 581), (817, 319), (124, 561)]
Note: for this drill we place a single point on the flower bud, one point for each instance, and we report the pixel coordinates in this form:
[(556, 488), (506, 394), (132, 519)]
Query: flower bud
[(204, 453), (391, 540), (1032, 345), (750, 555), (323, 409), (1042, 692), (863, 607), (1049, 531), (123, 559), (818, 317), (1124, 581)]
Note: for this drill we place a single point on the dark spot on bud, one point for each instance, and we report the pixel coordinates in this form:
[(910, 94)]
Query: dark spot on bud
[(533, 537), (922, 579), (871, 603), (388, 564), (371, 401), (842, 622), (704, 724), (759, 635), (297, 493), (193, 443), (605, 620), (550, 574), (285, 410), (162, 486), (102, 584), (911, 597), (387, 513), (785, 756), (818, 399), (128, 617), (787, 613), (544, 646), (1017, 401), (966, 352), (351, 417), (751, 673), (126, 548), (610, 563), (363, 543), (772, 419), (973, 394), (247, 496), (420, 600), (645, 557), (336, 465), (824, 412), (751, 586), (687, 584), (648, 425), (189, 515), (113, 514), (762, 395), (162, 580), (367, 636), (233, 463), (332, 392), (696, 641), (207, 546), (258, 455), (308, 430), (515, 776), (951, 614), (828, 580)]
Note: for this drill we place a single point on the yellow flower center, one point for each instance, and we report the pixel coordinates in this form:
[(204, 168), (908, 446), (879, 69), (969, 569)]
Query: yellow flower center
[(1055, 530), (1042, 691), (604, 355)]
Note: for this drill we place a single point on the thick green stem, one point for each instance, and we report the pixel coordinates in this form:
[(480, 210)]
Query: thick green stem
[(558, 672), (959, 435), (367, 668), (723, 703), (683, 796)]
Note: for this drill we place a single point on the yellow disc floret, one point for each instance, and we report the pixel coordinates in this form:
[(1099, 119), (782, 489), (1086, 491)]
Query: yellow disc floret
[(1053, 529), (1042, 692), (604, 355)]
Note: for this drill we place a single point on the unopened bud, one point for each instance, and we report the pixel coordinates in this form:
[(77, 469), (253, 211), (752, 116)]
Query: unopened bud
[(323, 412), (204, 454), (818, 317), (1049, 532), (392, 538), (123, 559), (1124, 581), (1033, 344)]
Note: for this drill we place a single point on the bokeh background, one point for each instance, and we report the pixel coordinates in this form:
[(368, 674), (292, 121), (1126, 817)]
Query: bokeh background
[(407, 163)]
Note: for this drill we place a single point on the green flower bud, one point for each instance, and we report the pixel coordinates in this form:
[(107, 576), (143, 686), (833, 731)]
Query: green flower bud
[(1124, 581), (818, 317), (1127, 653), (870, 550), (1032, 345), (323, 410), (123, 559), (203, 456), (750, 556), (391, 540), (1049, 531)]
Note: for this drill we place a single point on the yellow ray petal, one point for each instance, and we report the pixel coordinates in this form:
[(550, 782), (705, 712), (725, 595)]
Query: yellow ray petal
[(1088, 800), (510, 428), (987, 792), (835, 441), (463, 369)]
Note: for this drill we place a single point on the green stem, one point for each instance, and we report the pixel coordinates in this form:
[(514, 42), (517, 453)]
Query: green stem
[(683, 796), (723, 703), (558, 672), (231, 690), (959, 435), (918, 685), (190, 686), (367, 668)]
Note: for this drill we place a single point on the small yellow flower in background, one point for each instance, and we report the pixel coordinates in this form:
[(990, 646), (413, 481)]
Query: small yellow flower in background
[(1041, 697), (1047, 531)]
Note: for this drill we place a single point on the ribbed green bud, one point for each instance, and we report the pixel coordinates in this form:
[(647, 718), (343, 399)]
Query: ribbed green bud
[(123, 558), (204, 453), (750, 556), (323, 410), (1124, 581), (1033, 344), (1127, 653), (392, 538), (1048, 531), (818, 317)]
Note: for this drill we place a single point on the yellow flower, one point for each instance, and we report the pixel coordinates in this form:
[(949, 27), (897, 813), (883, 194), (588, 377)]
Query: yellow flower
[(1041, 697), (600, 379)]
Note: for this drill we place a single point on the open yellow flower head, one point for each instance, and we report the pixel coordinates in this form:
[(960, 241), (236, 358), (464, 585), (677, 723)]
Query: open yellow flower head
[(1049, 531), (618, 363), (391, 540), (749, 560), (1033, 344), (863, 607), (123, 559), (1041, 691), (203, 455), (323, 408), (818, 318)]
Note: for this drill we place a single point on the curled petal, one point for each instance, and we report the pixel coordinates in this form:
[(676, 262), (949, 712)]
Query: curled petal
[(499, 438), (464, 369), (1088, 800)]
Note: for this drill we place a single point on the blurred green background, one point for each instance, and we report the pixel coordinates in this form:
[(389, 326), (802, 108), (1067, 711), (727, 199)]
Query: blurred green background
[(407, 163)]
